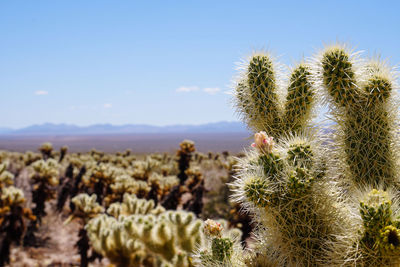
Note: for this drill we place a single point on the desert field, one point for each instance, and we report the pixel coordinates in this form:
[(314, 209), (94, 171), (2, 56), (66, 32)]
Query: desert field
[(60, 191), (138, 143)]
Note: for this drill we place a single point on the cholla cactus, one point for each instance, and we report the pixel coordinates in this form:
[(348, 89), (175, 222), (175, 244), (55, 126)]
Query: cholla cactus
[(146, 240), (259, 100), (46, 149), (125, 184), (359, 93), (63, 152), (132, 205), (44, 177), (12, 223), (377, 241), (184, 157), (85, 208), (222, 247), (100, 178), (298, 214), (6, 178), (301, 194)]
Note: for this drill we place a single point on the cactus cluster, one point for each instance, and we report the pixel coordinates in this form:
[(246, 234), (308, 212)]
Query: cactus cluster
[(139, 234), (45, 177), (117, 185), (317, 199), (13, 214)]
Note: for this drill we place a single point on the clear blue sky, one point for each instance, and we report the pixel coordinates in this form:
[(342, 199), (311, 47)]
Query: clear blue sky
[(160, 62)]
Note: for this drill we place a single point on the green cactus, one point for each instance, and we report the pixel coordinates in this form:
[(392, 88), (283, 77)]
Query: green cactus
[(359, 95), (12, 220), (144, 235), (46, 149), (376, 243), (300, 189), (45, 177), (85, 207), (132, 205), (6, 178), (221, 246), (259, 102)]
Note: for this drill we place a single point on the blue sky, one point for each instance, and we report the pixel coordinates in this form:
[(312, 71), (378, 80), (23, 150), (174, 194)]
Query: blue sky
[(162, 62)]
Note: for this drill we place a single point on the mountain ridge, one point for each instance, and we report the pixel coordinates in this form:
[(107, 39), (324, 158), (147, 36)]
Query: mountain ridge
[(104, 129)]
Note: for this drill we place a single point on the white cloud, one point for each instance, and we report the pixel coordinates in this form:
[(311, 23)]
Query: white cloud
[(186, 89), (229, 92), (41, 92), (107, 105), (211, 90)]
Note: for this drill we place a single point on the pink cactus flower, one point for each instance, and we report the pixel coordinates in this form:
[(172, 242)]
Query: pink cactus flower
[(263, 142), (212, 228)]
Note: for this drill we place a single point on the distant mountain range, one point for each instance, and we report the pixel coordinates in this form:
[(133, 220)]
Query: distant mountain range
[(109, 129)]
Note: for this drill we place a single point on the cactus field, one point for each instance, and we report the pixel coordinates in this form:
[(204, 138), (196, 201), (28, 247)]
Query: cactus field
[(303, 194)]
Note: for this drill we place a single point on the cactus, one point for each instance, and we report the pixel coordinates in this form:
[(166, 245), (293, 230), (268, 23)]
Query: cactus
[(44, 177), (299, 215), (184, 157), (359, 93), (259, 101), (6, 178), (99, 180), (222, 246), (139, 239), (85, 208), (125, 184), (46, 149), (132, 205), (318, 202), (12, 220), (63, 152)]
